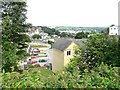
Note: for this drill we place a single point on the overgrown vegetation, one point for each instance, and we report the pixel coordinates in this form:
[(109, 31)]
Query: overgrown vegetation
[(103, 76)]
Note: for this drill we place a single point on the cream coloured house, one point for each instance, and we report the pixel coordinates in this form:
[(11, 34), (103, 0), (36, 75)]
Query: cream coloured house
[(63, 51)]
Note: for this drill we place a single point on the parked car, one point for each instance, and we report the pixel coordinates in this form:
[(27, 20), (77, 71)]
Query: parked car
[(44, 55), (33, 62), (42, 62), (33, 57), (35, 54)]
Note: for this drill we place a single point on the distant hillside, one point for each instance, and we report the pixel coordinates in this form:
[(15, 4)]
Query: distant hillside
[(60, 28), (98, 29)]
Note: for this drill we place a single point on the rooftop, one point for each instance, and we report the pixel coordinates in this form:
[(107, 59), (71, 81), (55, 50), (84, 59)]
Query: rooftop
[(63, 43)]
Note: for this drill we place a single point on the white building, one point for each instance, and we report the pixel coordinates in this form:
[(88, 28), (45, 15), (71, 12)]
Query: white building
[(113, 30), (74, 31)]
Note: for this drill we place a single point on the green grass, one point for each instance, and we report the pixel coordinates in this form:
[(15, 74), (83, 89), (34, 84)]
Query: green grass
[(42, 52), (46, 72), (40, 56)]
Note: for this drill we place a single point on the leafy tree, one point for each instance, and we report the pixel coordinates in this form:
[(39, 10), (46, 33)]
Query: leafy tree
[(71, 35), (36, 36), (57, 32), (50, 31), (118, 48), (63, 34), (13, 41), (99, 48), (50, 42), (81, 35)]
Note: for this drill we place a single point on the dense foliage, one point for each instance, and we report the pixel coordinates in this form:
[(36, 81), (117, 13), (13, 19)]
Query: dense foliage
[(50, 42), (103, 76), (50, 31), (99, 48), (68, 35), (13, 41), (36, 36), (118, 47), (81, 35)]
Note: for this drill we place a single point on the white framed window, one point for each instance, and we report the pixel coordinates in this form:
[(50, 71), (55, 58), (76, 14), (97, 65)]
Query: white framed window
[(68, 52)]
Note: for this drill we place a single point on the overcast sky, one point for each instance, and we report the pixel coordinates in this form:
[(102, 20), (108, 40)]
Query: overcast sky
[(72, 12)]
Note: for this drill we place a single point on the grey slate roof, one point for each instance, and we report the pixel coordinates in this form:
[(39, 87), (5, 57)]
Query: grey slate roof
[(62, 43)]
